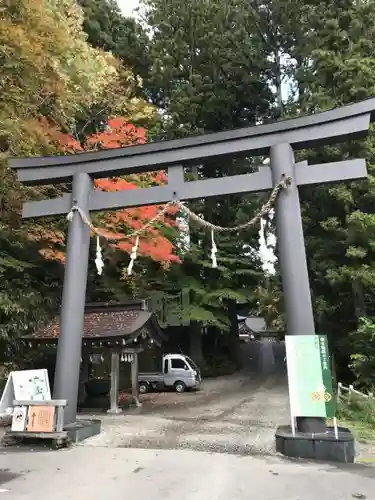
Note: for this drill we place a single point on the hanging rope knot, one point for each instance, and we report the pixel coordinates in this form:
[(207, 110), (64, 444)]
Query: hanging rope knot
[(71, 213), (285, 181)]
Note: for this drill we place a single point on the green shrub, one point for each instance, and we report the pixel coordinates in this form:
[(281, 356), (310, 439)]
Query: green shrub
[(358, 413), (362, 361), (3, 381), (218, 366)]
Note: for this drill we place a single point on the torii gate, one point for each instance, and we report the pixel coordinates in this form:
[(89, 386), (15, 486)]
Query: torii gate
[(278, 140)]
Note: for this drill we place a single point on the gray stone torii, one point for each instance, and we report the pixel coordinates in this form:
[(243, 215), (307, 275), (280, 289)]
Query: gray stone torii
[(278, 140)]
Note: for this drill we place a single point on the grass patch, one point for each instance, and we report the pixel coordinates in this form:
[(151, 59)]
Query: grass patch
[(359, 415)]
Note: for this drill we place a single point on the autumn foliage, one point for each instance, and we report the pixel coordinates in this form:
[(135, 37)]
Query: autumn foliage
[(117, 225)]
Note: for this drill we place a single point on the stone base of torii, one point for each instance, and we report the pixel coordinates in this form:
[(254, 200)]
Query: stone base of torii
[(279, 141)]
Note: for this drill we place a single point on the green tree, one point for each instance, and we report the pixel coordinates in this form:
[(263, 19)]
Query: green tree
[(109, 30), (336, 67), (49, 76), (362, 362), (210, 73)]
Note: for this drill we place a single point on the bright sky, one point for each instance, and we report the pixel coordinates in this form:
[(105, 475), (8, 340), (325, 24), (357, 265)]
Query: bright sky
[(127, 6)]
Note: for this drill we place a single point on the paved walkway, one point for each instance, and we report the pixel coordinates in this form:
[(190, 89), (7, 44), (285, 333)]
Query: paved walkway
[(235, 416), (115, 474), (151, 453)]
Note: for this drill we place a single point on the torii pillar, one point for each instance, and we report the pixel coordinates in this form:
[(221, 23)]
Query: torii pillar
[(292, 259)]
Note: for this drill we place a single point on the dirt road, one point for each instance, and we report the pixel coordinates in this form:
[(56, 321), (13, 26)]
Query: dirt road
[(236, 414)]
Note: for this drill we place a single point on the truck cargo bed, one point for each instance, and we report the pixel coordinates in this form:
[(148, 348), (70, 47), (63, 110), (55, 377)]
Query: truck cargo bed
[(147, 377)]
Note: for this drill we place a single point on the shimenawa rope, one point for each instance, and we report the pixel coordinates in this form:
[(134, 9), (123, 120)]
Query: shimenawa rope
[(264, 210)]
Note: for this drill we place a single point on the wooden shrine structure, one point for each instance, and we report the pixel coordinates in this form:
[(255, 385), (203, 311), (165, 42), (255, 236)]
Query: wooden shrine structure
[(121, 330)]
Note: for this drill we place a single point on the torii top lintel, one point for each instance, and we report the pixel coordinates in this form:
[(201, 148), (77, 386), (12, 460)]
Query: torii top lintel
[(339, 124)]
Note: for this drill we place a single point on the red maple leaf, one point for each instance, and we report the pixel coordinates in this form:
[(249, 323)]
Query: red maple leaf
[(120, 133)]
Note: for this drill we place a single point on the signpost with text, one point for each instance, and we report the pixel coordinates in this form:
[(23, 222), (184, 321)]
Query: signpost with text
[(309, 377)]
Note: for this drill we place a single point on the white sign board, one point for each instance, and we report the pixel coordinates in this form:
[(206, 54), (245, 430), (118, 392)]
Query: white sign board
[(309, 376), (31, 385), (19, 418), (25, 385)]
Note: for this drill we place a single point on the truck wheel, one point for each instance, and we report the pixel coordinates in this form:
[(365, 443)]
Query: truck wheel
[(143, 387), (180, 387)]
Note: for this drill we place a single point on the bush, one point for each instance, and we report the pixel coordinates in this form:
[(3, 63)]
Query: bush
[(362, 361), (218, 366), (357, 408), (358, 413), (3, 381)]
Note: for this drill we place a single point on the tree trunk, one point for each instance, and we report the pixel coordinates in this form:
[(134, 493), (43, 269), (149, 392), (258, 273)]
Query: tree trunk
[(278, 78), (333, 371), (359, 299), (84, 376), (196, 351), (234, 339)]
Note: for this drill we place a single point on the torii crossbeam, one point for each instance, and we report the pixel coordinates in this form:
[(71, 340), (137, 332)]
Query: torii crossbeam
[(277, 140)]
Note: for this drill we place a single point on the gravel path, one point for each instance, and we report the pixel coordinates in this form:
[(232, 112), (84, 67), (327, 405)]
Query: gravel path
[(236, 414)]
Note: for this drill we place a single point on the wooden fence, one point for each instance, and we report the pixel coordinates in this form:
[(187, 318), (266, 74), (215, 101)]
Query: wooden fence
[(341, 389)]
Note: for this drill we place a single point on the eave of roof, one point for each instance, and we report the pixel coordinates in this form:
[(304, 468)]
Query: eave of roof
[(107, 323)]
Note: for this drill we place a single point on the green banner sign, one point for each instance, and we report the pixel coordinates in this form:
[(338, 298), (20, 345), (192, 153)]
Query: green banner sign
[(309, 376)]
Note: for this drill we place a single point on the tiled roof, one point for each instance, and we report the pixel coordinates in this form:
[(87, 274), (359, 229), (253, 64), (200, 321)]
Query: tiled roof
[(104, 321)]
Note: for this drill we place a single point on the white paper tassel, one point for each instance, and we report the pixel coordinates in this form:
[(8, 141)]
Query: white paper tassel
[(133, 256), (99, 259), (70, 216), (213, 250)]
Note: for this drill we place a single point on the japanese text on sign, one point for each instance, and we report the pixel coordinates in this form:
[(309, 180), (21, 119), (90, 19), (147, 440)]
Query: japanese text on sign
[(324, 354), (41, 419)]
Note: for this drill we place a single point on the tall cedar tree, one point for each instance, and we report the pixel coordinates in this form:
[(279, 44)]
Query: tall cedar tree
[(332, 47), (109, 30), (339, 220), (209, 74)]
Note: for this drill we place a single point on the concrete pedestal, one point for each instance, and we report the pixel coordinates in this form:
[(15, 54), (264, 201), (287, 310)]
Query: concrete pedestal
[(324, 447), (82, 429)]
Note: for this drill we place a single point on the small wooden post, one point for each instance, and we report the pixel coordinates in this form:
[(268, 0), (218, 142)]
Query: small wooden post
[(84, 375), (134, 377), (115, 373), (350, 392), (60, 418)]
